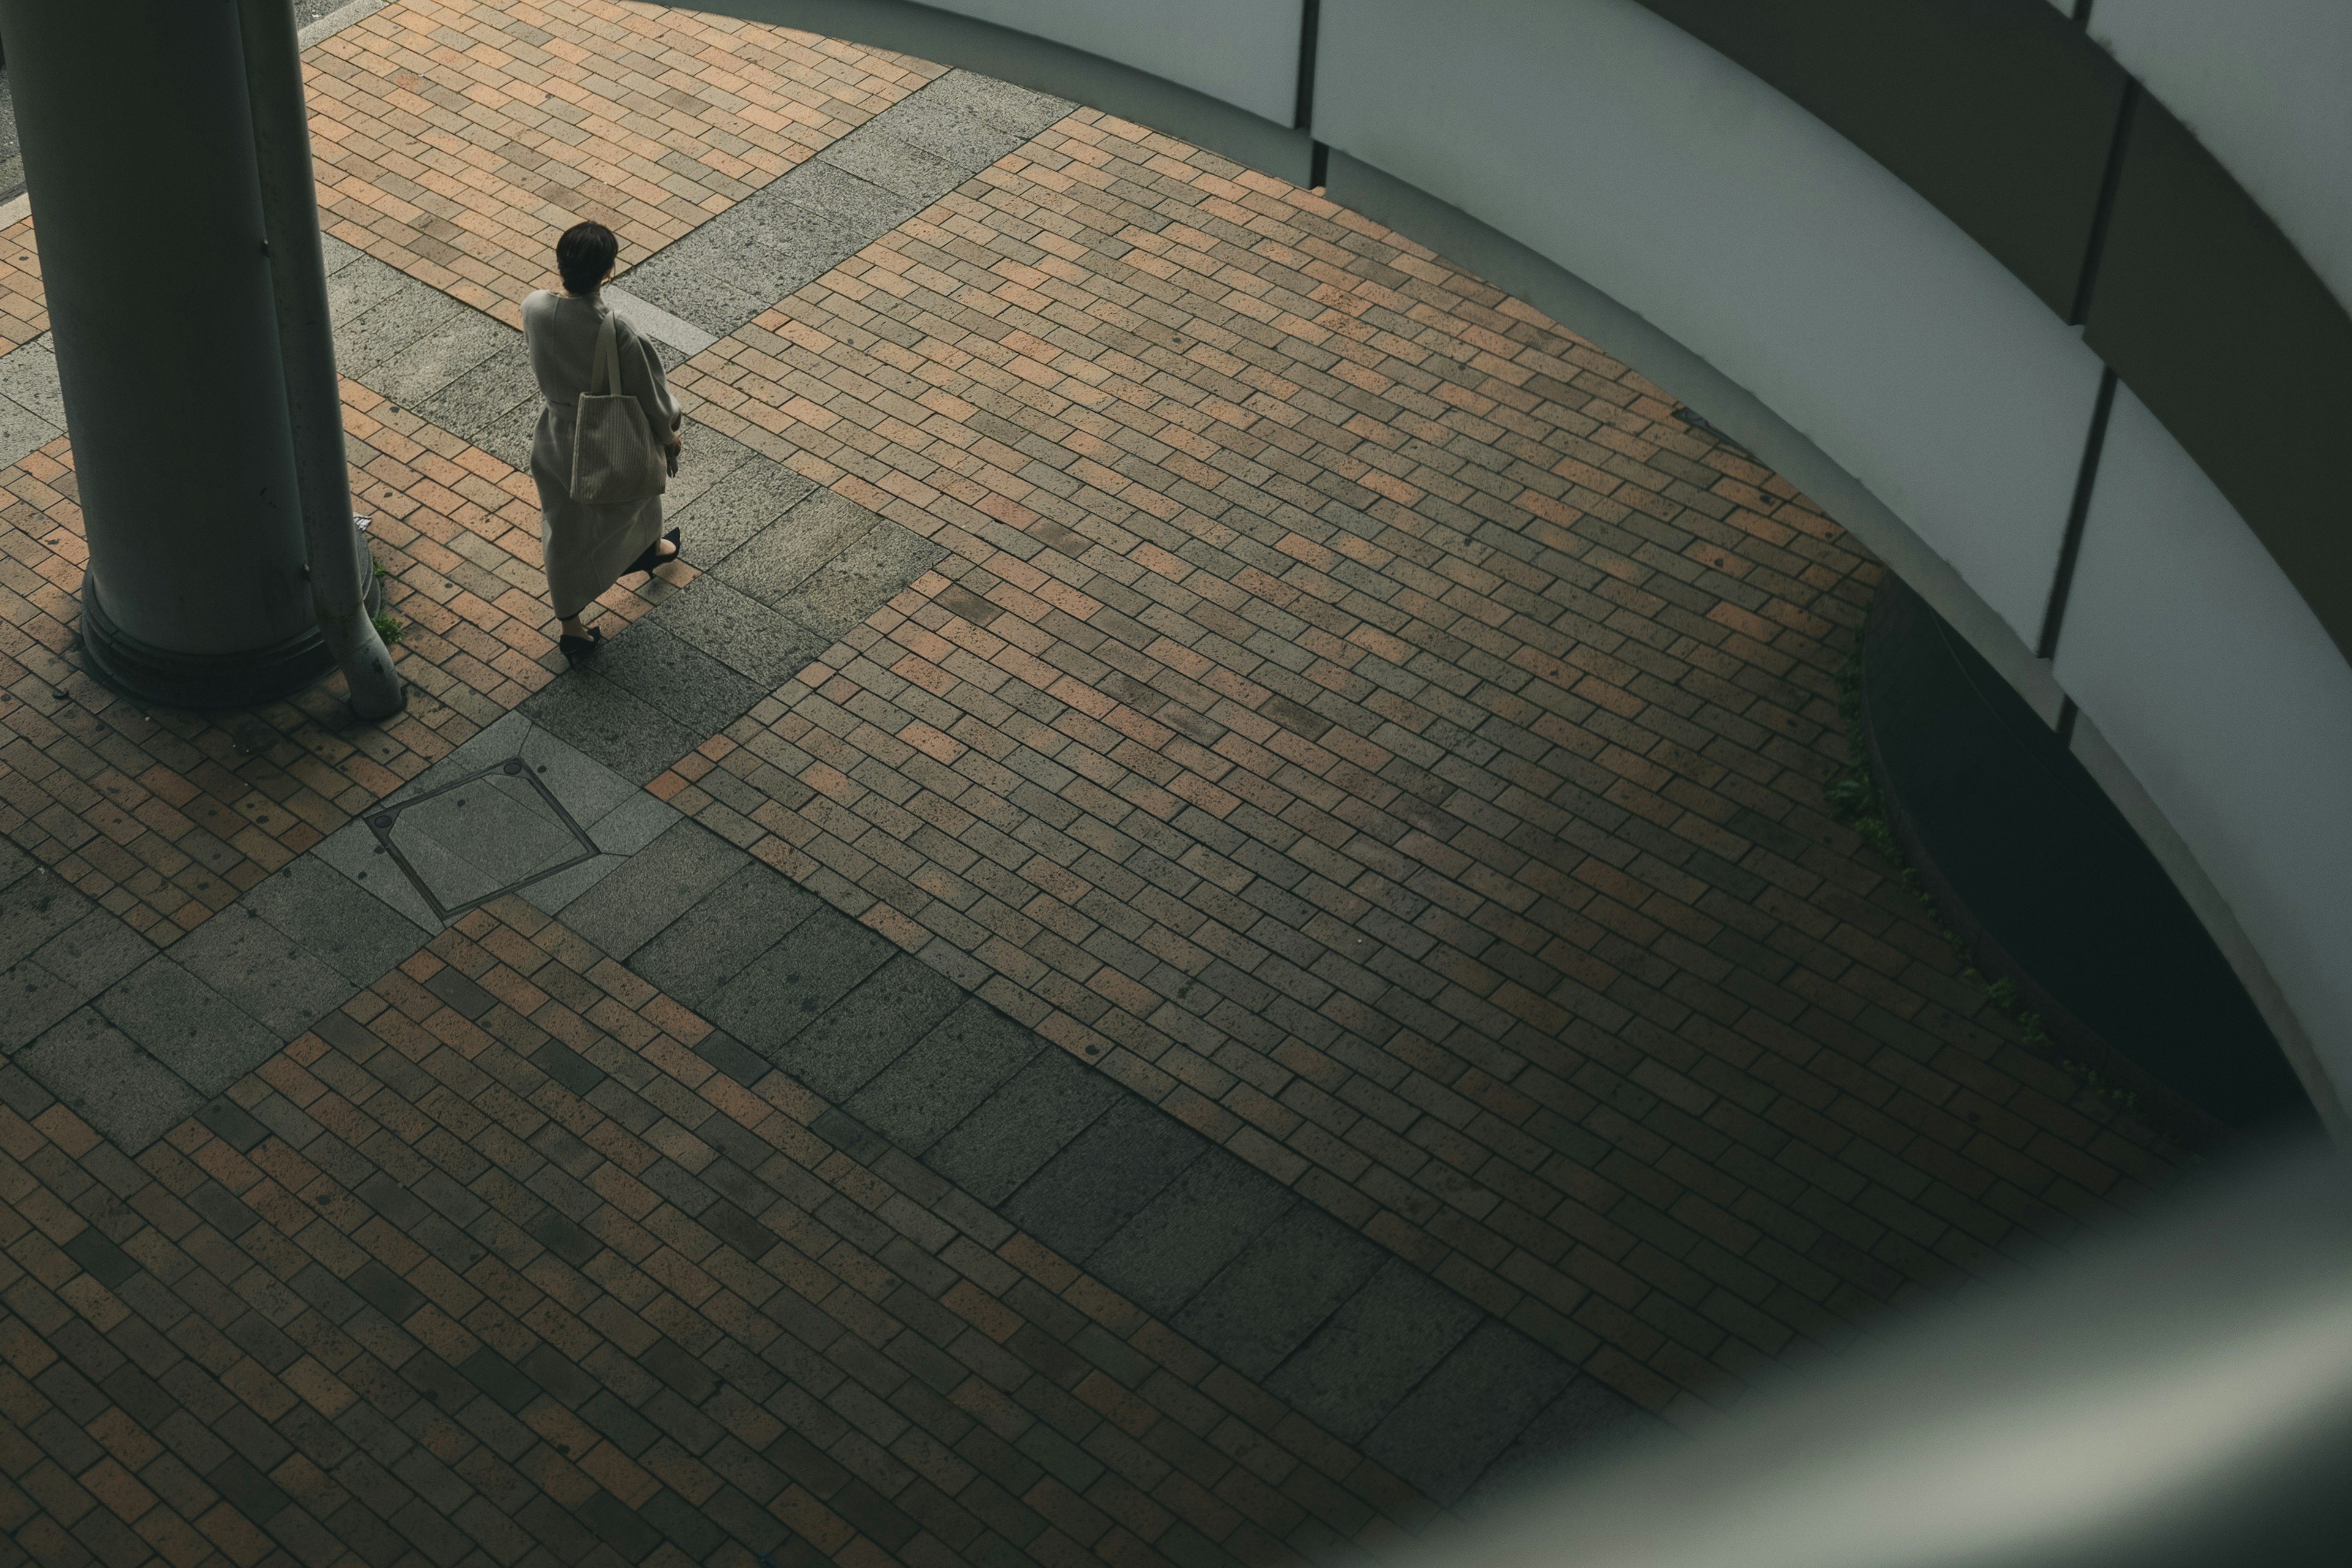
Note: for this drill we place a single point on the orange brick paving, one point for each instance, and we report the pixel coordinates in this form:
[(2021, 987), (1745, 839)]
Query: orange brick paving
[(165, 817), (1367, 723), (263, 1344), (456, 141), (1323, 627), (24, 308)]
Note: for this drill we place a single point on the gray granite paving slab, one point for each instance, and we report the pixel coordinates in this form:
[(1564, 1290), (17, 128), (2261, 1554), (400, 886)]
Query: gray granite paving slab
[(1278, 1289), (731, 269), (1374, 1349), (858, 207), (1176, 1244), (678, 680), (1031, 1117), (501, 740), (1589, 1421), (15, 864), (870, 1028), (359, 283), (861, 579), (433, 360), (28, 376), (33, 909), (634, 823), (498, 384), (943, 120), (479, 836), (23, 432), (589, 789), (945, 1075), (250, 963), (336, 255), (404, 314), (94, 952), (612, 724), (104, 1078), (873, 154), (1080, 1197), (783, 557), (336, 918), (783, 236), (708, 459), (784, 990), (355, 852), (720, 280), (762, 250), (31, 999), (766, 647), (735, 506), (659, 883), (1001, 103), (1445, 1434), (676, 337), (322, 19), (186, 1025), (729, 927), (507, 437), (554, 894)]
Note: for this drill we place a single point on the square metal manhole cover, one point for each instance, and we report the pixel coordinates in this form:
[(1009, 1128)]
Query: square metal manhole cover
[(489, 833)]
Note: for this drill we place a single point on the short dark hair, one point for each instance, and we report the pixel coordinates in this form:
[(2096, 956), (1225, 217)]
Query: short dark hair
[(584, 255)]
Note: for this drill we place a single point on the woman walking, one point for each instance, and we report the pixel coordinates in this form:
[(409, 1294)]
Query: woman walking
[(588, 545)]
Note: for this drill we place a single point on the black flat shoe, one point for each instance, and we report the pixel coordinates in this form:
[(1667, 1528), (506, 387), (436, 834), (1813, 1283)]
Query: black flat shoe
[(654, 557), (577, 648)]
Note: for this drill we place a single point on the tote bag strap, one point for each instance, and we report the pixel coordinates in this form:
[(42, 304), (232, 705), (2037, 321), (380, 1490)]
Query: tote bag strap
[(607, 367)]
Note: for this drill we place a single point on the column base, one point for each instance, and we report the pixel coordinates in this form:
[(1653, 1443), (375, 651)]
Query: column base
[(243, 679)]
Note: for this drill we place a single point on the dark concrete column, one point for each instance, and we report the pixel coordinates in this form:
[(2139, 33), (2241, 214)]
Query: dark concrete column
[(139, 155), (341, 575)]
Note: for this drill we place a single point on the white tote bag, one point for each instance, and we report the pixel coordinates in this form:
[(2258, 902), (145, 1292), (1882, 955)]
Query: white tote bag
[(614, 455)]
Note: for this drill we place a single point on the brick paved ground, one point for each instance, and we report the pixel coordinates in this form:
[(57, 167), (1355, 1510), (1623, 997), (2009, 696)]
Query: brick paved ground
[(494, 1262), (456, 140), (1355, 713), (24, 310), (1365, 721), (165, 818)]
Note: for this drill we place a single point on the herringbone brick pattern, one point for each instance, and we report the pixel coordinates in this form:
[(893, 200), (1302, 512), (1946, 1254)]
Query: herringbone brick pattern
[(1359, 716), (498, 1265), (458, 140)]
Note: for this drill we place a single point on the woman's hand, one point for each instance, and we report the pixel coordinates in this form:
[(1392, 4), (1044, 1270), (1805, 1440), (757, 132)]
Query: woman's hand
[(676, 443)]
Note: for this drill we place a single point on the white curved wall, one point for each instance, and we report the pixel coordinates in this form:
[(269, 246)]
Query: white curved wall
[(2213, 681), (2267, 85), (1243, 51), (1654, 169)]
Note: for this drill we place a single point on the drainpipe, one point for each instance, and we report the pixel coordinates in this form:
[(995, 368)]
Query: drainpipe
[(342, 571)]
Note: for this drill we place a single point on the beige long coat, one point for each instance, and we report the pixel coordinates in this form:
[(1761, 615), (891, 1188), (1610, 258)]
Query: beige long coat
[(587, 547)]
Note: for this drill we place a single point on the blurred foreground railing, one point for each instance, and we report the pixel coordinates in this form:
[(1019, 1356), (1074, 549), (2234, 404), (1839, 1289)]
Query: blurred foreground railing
[(2177, 1392)]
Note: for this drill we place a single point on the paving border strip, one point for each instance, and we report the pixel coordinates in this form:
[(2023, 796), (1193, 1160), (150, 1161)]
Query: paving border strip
[(336, 20), (350, 1374), (1373, 1350)]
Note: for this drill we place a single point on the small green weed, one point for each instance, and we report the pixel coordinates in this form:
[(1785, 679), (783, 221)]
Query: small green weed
[(1856, 799)]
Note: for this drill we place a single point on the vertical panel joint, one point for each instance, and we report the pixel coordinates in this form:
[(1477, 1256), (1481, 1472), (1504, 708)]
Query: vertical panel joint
[(2108, 182), (1311, 25), (2077, 514)]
